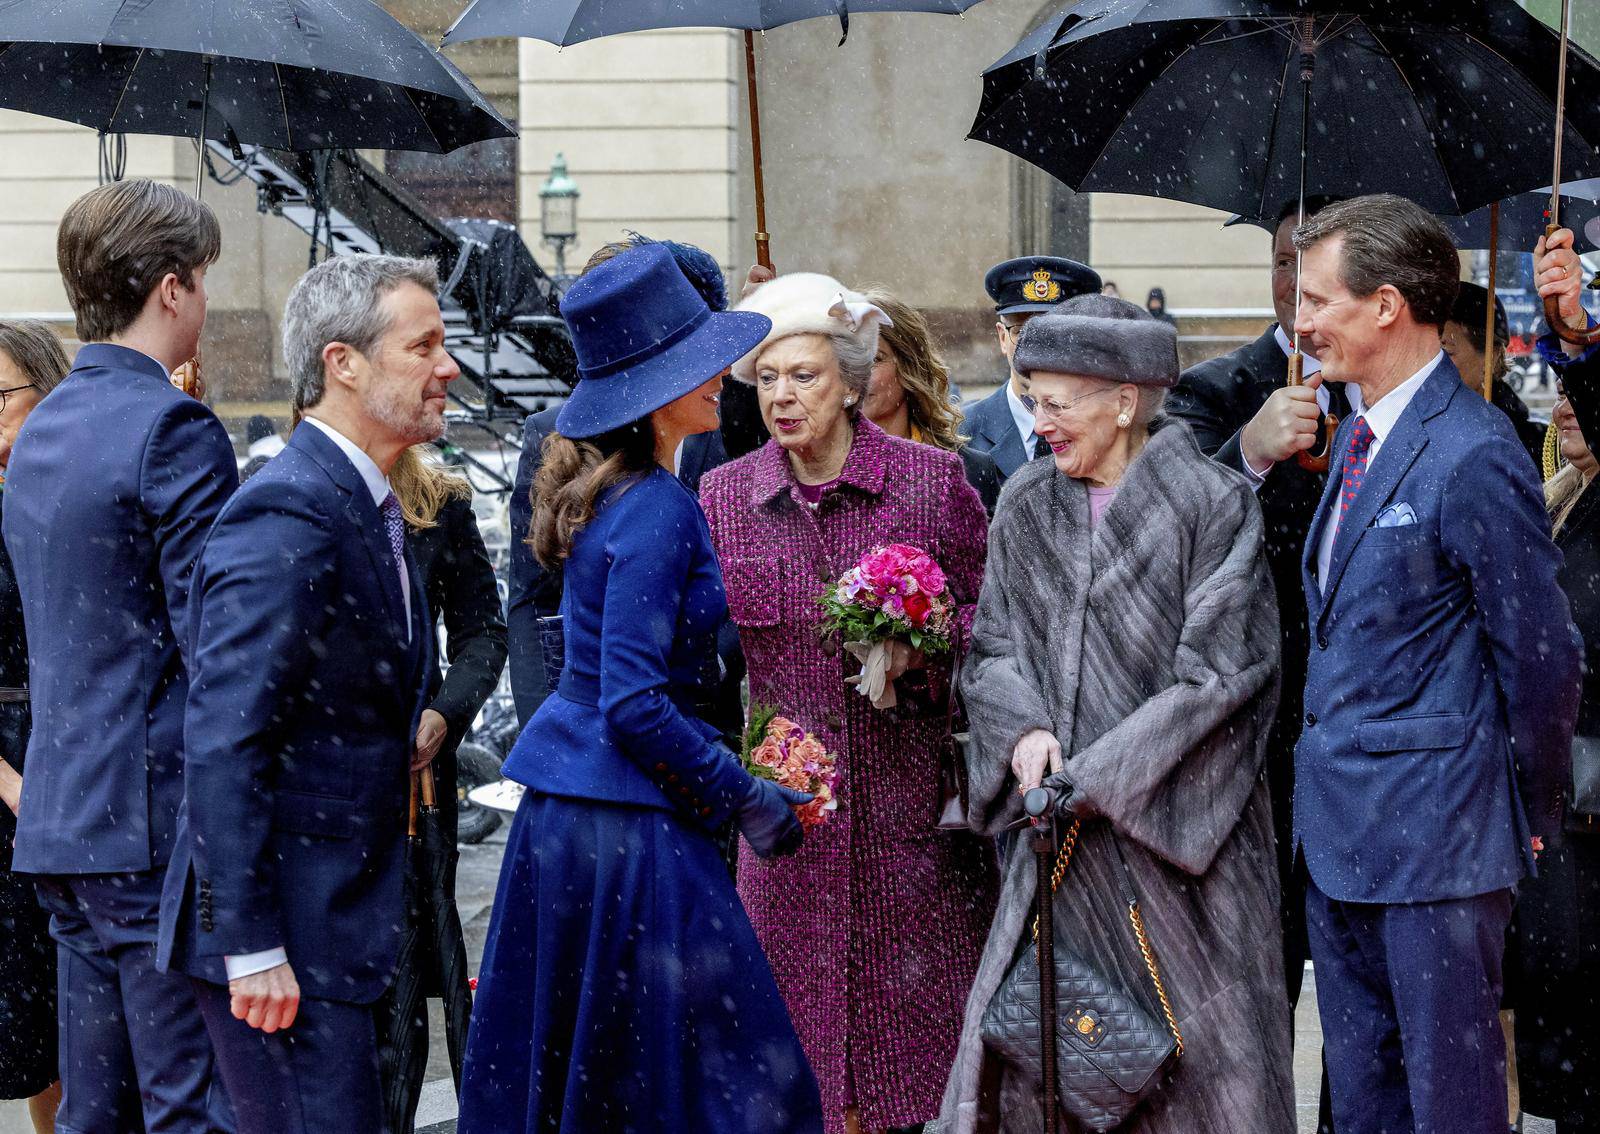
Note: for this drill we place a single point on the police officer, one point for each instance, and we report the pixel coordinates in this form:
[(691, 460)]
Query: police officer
[(1001, 424)]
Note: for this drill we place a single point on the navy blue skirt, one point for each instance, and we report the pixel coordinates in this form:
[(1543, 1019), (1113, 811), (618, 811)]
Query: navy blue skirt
[(622, 989)]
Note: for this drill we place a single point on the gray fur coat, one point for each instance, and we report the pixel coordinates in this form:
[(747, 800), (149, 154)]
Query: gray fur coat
[(1149, 647)]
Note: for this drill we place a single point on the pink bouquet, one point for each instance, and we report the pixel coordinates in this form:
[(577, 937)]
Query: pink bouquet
[(895, 594), (777, 749)]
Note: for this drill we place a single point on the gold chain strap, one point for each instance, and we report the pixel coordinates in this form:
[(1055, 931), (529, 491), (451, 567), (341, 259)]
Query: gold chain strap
[(1063, 860), (1155, 975)]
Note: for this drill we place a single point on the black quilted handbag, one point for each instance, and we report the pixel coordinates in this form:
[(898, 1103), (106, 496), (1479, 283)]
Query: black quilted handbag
[(1110, 1052)]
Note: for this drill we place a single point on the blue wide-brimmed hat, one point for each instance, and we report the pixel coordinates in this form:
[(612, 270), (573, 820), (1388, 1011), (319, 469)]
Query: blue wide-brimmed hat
[(644, 338)]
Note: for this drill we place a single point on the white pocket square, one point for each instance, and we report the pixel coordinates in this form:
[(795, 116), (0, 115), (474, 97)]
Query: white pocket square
[(1395, 516)]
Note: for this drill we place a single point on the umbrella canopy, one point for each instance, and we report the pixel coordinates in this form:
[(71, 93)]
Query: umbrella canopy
[(573, 21), (1449, 105), (290, 74), (1523, 218)]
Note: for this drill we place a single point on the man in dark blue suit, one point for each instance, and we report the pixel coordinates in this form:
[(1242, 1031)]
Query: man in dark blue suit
[(1441, 691), (115, 480), (311, 649), (1001, 425)]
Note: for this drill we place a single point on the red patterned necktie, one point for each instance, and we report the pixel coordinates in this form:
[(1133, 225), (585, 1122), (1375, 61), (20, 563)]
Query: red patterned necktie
[(1355, 464)]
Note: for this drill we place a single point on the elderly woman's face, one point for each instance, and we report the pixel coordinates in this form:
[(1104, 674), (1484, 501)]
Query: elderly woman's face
[(19, 404), (802, 393), (1571, 440), (1077, 417)]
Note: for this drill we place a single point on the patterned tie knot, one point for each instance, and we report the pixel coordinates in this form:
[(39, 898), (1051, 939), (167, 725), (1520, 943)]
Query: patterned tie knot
[(394, 523), (1355, 463)]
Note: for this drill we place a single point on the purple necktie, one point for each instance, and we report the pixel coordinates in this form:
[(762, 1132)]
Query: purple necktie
[(394, 523)]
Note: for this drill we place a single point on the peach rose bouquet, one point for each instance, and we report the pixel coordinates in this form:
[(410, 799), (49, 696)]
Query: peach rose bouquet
[(777, 749)]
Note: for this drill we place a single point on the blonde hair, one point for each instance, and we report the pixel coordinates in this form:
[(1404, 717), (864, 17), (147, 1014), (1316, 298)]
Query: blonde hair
[(922, 371), (423, 486)]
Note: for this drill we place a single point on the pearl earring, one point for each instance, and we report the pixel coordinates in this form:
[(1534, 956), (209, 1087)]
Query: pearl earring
[(848, 402), (1124, 421)]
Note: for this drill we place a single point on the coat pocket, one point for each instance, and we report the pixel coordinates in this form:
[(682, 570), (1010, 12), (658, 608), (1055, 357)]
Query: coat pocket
[(755, 594), (324, 816), (1412, 734)]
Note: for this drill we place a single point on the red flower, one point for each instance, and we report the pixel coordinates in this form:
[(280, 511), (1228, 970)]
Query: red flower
[(917, 607)]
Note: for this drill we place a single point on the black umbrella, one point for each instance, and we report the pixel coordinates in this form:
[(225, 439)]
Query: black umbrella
[(432, 961), (565, 22), (289, 74), (1244, 105)]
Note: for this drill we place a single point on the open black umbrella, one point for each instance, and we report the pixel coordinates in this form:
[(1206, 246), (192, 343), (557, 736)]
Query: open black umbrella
[(290, 74), (565, 22), (1244, 105)]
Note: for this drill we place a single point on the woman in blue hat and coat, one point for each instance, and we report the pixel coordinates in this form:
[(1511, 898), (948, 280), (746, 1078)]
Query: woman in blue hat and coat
[(622, 988)]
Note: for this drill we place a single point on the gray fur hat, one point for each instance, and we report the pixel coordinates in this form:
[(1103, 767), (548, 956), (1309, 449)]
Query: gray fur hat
[(1099, 336)]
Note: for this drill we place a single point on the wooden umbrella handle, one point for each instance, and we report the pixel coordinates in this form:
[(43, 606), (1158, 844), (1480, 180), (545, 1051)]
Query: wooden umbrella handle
[(763, 240), (1552, 314), (1313, 462)]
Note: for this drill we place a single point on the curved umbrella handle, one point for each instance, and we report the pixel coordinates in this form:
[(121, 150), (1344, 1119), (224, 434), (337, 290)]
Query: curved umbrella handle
[(1313, 462), (1552, 314)]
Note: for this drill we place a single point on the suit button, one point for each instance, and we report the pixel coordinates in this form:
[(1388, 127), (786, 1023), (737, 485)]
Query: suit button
[(1322, 641), (1311, 720)]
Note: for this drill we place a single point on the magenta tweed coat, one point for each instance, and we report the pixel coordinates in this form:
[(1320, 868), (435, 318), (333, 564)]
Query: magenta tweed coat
[(875, 928)]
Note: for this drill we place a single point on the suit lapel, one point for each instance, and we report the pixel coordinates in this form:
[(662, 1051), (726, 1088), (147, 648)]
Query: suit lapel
[(1384, 474), (363, 513)]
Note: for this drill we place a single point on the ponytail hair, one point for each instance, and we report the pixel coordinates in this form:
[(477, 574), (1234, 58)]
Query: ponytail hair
[(572, 477)]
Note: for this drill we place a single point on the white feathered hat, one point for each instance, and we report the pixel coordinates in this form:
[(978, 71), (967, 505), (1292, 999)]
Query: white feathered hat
[(808, 303)]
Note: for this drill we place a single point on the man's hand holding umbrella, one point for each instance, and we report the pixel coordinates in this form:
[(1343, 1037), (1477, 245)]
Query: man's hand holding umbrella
[(1558, 272)]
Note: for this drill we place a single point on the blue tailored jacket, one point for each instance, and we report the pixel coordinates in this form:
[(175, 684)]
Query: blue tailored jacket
[(1442, 682), (303, 705), (642, 605), (114, 481), (994, 431)]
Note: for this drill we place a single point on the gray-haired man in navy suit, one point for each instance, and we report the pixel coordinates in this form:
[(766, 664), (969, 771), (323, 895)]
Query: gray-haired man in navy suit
[(1001, 424)]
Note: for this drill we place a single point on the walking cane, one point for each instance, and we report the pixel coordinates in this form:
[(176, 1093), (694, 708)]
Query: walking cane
[(1040, 804)]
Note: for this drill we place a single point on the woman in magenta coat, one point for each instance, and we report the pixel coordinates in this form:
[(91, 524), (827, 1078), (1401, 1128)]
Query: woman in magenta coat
[(875, 928)]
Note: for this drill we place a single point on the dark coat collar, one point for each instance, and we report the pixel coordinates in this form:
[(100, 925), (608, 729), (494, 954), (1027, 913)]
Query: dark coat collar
[(109, 356), (864, 468)]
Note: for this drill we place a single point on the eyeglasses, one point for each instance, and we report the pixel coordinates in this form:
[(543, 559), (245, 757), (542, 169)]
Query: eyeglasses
[(11, 390), (1052, 410)]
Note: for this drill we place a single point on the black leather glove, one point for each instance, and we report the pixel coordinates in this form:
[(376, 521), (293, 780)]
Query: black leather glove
[(767, 820)]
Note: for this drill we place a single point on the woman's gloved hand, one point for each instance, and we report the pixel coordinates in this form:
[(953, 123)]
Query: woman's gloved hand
[(767, 820)]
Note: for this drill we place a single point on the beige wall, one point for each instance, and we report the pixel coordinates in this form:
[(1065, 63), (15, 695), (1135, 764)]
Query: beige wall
[(647, 124)]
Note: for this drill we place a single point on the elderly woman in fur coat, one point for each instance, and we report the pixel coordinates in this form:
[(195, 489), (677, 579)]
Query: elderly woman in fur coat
[(1125, 652)]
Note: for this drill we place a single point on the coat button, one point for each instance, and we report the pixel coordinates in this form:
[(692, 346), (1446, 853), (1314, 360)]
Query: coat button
[(1322, 641), (672, 779), (830, 646), (705, 812), (1311, 720), (662, 767), (683, 791), (833, 722)]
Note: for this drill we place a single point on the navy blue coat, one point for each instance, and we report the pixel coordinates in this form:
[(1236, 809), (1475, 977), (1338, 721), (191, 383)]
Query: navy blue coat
[(641, 610), (302, 710), (1443, 674), (115, 480), (994, 431)]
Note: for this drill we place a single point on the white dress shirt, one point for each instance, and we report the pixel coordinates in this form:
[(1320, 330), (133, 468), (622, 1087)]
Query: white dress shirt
[(1022, 416), (372, 476), (1381, 418)]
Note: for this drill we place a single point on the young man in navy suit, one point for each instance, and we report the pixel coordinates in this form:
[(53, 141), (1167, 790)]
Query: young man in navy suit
[(311, 649), (1441, 691), (116, 478)]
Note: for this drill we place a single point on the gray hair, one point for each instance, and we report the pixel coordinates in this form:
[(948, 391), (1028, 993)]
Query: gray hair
[(1390, 240), (338, 301), (854, 354), (36, 351)]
